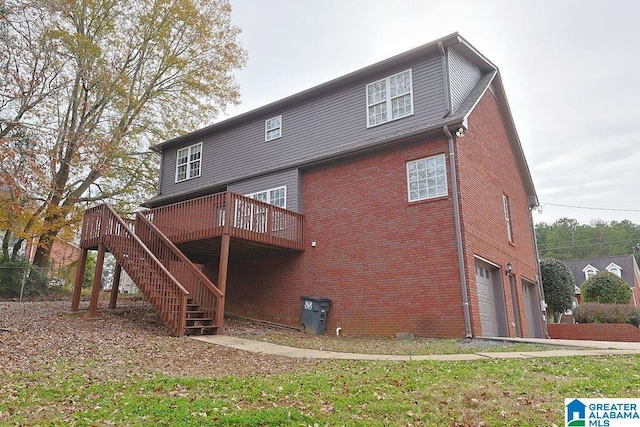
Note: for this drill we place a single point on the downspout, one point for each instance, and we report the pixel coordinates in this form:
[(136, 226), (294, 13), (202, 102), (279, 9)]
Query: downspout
[(539, 274), (456, 213)]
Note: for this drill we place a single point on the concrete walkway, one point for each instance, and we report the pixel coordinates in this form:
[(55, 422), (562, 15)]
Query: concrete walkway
[(579, 348)]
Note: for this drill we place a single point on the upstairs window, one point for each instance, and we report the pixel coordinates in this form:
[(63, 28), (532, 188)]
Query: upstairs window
[(507, 218), (188, 162), (273, 128), (427, 178), (389, 99)]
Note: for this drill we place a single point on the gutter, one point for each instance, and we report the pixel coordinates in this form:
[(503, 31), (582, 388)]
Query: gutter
[(456, 213)]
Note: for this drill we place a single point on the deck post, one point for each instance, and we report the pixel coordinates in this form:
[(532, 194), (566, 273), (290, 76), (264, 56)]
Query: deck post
[(115, 287), (95, 291), (224, 261), (222, 279), (77, 290)]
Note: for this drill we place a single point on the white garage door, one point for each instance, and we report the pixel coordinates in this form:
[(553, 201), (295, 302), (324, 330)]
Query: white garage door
[(531, 309), (487, 301)]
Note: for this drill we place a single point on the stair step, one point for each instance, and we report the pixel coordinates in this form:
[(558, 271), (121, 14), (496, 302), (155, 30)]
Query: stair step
[(195, 314), (200, 320), (200, 330)]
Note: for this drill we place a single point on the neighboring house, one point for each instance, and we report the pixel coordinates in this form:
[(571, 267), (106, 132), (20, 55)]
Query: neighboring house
[(62, 260), (624, 267), (399, 191), (127, 285)]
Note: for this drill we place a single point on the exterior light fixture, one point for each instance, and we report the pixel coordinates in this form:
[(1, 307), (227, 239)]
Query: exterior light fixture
[(509, 268)]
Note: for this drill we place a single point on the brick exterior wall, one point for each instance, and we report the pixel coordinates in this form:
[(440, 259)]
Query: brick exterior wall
[(487, 171), (595, 332), (389, 265)]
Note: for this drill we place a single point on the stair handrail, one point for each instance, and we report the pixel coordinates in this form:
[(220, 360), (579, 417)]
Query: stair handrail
[(199, 274), (145, 249)]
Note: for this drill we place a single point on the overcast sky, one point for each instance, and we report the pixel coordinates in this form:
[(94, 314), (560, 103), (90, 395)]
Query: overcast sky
[(570, 71)]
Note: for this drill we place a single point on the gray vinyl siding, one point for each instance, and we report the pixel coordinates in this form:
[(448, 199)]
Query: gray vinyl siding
[(289, 178), (316, 129), (463, 77)]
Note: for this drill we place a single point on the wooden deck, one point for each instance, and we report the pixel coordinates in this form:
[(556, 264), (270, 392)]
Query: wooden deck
[(196, 226), (159, 248)]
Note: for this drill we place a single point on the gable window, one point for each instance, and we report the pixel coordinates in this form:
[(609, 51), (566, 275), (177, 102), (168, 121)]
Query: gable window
[(389, 99), (589, 271), (273, 128), (188, 162), (615, 269), (507, 218), (427, 178)]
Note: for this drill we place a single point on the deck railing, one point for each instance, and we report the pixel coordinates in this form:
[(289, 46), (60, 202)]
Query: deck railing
[(243, 217)]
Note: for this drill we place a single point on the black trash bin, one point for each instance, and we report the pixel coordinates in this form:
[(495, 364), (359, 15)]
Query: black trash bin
[(314, 314)]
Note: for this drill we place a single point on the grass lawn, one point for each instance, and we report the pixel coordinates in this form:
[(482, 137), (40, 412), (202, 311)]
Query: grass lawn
[(488, 392), (123, 368), (389, 345)]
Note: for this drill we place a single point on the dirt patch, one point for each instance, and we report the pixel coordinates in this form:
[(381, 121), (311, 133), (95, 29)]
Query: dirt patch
[(131, 341), (127, 341)]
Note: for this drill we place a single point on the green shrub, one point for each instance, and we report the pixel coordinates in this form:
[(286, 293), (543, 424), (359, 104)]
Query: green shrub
[(558, 284), (606, 288), (593, 312)]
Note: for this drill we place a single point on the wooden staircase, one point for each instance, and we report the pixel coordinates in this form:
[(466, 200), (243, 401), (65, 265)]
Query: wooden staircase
[(183, 296), (196, 321)]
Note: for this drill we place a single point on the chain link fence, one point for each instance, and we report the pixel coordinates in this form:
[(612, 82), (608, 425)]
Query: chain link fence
[(20, 281)]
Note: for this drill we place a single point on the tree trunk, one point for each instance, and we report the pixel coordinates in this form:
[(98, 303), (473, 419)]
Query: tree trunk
[(5, 246), (16, 249), (43, 250)]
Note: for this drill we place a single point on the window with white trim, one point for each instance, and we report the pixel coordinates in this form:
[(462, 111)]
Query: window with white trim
[(507, 218), (389, 99), (275, 196), (427, 178), (589, 271), (188, 162), (273, 128), (253, 217), (615, 269)]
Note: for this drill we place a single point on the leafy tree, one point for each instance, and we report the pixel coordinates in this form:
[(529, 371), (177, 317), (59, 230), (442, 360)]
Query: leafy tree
[(559, 286), (86, 86), (89, 271), (606, 288), (567, 239)]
